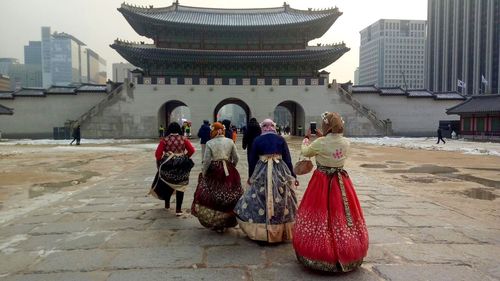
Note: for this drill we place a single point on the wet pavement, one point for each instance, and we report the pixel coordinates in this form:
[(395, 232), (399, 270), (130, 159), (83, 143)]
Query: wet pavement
[(109, 230)]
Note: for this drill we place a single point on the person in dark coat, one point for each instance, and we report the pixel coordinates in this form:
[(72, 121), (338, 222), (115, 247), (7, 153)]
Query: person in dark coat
[(76, 135), (440, 136), (253, 130), (228, 132), (204, 135)]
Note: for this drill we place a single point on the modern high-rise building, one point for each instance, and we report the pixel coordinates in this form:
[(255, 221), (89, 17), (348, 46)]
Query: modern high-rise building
[(66, 60), (392, 54), (121, 71), (356, 76), (33, 53), (96, 68), (463, 44), (21, 75), (5, 65), (46, 57), (25, 75)]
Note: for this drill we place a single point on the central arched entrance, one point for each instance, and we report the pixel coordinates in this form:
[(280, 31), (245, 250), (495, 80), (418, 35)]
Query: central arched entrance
[(290, 114), (173, 111), (233, 109)]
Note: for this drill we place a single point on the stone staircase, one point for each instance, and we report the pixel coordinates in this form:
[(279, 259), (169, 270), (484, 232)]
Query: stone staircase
[(85, 119), (383, 126)]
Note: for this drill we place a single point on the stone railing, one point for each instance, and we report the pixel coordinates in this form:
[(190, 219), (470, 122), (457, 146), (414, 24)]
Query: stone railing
[(384, 126)]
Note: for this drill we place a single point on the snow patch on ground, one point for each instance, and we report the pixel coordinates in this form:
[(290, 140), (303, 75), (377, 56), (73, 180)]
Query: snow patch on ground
[(466, 147), (66, 142)]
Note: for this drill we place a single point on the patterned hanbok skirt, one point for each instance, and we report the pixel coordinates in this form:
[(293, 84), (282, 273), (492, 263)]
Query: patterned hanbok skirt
[(330, 232), (216, 195), (266, 211), (173, 173)]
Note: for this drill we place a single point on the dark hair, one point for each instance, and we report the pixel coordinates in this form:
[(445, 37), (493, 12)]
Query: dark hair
[(174, 128)]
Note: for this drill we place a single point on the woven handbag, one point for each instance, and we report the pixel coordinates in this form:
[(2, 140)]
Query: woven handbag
[(303, 166)]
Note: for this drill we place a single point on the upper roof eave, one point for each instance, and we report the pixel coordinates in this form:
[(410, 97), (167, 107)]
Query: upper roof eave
[(229, 18)]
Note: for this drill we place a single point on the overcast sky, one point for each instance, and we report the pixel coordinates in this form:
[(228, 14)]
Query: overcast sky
[(97, 22)]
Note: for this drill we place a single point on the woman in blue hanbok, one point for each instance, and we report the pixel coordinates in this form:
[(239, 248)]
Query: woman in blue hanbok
[(266, 211)]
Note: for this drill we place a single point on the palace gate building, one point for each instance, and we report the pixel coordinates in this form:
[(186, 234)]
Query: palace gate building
[(205, 58)]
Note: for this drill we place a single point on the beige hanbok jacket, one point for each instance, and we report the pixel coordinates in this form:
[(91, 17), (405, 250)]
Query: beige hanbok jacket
[(219, 148), (331, 150)]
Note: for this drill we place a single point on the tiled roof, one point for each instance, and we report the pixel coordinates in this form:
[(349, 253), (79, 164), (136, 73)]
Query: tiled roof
[(477, 104), (92, 88), (61, 90), (54, 90), (227, 17), (392, 91), (448, 96), (365, 89), (6, 95), (143, 54), (413, 93), (421, 93), (30, 92), (5, 110)]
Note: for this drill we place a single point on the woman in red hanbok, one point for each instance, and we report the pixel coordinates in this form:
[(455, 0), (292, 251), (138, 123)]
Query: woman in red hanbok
[(330, 232), (173, 160)]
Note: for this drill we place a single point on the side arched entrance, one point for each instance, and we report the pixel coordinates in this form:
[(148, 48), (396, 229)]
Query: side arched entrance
[(291, 114), (173, 111)]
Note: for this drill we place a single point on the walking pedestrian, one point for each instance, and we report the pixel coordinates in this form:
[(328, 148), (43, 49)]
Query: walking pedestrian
[(440, 135), (76, 135), (173, 159), (228, 131), (330, 231), (253, 130), (266, 211), (219, 184), (204, 135)]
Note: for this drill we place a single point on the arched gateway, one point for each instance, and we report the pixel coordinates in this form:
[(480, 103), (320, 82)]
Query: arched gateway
[(204, 57)]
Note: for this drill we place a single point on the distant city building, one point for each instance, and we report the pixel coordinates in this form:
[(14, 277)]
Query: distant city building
[(21, 75), (4, 83), (121, 71), (25, 75), (96, 68), (392, 54), (33, 53), (66, 60), (463, 45), (356, 76), (46, 57), (6, 63)]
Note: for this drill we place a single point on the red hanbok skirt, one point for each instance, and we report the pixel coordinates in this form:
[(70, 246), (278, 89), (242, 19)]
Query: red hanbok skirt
[(324, 237)]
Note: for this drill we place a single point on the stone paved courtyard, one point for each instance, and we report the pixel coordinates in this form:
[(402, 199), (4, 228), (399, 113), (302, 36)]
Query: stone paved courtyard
[(109, 230)]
